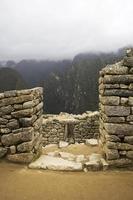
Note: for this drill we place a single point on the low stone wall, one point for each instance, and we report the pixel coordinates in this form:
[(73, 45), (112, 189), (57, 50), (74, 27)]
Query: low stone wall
[(21, 124), (68, 127), (116, 112)]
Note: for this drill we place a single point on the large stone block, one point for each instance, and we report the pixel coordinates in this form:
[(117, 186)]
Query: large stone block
[(3, 121), (115, 69), (119, 129), (129, 154), (111, 154), (118, 79), (13, 124), (130, 101), (12, 139), (110, 100), (118, 92), (128, 61), (21, 157), (22, 113), (128, 139), (3, 151), (27, 121), (25, 147), (5, 110), (122, 162), (117, 110)]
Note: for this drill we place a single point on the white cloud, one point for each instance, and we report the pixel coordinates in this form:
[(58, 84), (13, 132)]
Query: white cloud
[(61, 28)]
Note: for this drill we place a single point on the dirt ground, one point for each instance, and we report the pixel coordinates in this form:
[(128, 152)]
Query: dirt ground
[(19, 183), (74, 149)]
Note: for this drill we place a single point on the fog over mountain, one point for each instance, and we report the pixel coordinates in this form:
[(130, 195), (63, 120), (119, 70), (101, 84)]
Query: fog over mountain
[(58, 29)]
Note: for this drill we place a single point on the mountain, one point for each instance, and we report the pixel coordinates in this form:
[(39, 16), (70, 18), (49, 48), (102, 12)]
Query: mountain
[(10, 79), (69, 85)]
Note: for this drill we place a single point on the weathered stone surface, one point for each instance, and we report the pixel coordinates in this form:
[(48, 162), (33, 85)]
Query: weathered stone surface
[(118, 92), (124, 146), (53, 163), (128, 61), (22, 113), (18, 106), (1, 95), (112, 138), (129, 154), (5, 130), (111, 154), (117, 110), (124, 101), (123, 86), (12, 139), (27, 121), (118, 79), (11, 93), (130, 99), (131, 70), (91, 142), (131, 86), (119, 129), (111, 145), (3, 121), (122, 162), (14, 124), (115, 69), (6, 110), (23, 92), (111, 100), (15, 100), (21, 157), (130, 118), (3, 152), (111, 86), (114, 119), (29, 104), (128, 139), (12, 149), (25, 147), (38, 123), (63, 144)]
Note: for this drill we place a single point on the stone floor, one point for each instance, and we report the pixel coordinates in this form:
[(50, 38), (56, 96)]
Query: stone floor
[(74, 157)]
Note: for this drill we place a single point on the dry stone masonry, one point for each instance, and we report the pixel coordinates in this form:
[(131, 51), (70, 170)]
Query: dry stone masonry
[(116, 112), (70, 128), (21, 124)]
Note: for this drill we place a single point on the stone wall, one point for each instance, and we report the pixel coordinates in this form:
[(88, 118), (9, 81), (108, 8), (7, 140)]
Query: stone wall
[(116, 112), (21, 124), (71, 128)]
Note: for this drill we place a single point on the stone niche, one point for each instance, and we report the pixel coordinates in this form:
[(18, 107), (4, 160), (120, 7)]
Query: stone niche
[(21, 124), (116, 112), (70, 128)]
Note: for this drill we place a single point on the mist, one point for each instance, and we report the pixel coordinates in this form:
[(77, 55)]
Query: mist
[(56, 29)]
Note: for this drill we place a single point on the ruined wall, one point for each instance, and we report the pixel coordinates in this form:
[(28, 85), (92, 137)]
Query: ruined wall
[(116, 112), (71, 128), (21, 124)]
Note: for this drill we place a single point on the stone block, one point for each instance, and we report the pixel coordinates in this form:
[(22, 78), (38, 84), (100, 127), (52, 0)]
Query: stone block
[(128, 139), (25, 147), (124, 101), (130, 101), (3, 151), (14, 124), (129, 154), (110, 100), (5, 110), (11, 93), (128, 61), (119, 129), (118, 79), (28, 104), (117, 110), (22, 113), (27, 121), (122, 162), (3, 121), (12, 139), (118, 92), (111, 154), (21, 157)]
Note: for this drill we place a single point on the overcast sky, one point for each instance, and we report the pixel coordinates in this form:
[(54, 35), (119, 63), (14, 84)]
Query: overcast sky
[(62, 28)]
